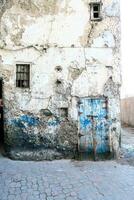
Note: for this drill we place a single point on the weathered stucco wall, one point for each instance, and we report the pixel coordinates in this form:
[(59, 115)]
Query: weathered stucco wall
[(51, 35), (127, 111)]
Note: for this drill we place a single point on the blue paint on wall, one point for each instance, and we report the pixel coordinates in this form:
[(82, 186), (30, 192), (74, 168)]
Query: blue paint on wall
[(53, 123), (24, 120), (29, 120)]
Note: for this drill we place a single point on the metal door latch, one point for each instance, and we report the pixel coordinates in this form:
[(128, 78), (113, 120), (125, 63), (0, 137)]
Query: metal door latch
[(79, 135)]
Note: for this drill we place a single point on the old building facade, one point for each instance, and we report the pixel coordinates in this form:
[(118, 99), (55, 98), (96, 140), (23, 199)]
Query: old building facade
[(60, 68)]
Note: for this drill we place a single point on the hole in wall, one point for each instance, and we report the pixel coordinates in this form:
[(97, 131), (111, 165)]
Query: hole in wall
[(72, 46), (109, 67), (63, 112), (46, 112), (58, 68), (58, 82)]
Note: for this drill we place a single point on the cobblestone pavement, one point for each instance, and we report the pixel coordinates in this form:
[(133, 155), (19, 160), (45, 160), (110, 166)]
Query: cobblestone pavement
[(65, 180)]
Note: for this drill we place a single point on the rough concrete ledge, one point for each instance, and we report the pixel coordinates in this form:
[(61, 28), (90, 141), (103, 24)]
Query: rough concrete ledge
[(34, 155), (53, 154)]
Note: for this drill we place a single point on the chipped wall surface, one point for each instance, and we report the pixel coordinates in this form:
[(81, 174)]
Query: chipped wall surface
[(70, 57)]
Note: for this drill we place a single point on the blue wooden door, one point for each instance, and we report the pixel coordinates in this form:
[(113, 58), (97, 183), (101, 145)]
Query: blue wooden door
[(93, 126)]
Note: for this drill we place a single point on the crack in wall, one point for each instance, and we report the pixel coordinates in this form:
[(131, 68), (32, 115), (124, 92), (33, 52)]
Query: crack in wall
[(33, 116)]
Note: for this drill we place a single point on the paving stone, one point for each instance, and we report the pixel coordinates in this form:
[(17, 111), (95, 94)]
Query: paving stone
[(104, 180)]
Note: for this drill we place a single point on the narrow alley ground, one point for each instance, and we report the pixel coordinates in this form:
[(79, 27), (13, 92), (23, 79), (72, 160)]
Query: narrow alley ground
[(69, 179), (127, 150)]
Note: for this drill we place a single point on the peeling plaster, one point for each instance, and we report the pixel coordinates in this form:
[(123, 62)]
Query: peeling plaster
[(106, 39), (113, 9), (49, 34)]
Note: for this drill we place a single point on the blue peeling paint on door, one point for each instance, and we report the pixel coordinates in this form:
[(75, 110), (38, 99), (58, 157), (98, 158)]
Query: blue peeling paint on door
[(93, 126)]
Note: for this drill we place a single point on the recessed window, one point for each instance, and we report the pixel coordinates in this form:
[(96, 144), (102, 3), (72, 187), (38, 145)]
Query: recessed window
[(23, 75), (95, 11), (63, 112)]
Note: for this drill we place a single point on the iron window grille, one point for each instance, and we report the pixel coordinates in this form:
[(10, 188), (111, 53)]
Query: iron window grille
[(23, 75)]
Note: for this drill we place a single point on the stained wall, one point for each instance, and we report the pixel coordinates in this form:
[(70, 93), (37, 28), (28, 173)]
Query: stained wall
[(41, 122)]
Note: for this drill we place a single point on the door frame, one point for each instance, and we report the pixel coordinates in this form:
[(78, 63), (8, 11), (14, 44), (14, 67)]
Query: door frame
[(90, 97), (1, 112)]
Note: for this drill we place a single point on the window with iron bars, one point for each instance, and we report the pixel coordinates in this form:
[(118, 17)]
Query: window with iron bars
[(23, 75)]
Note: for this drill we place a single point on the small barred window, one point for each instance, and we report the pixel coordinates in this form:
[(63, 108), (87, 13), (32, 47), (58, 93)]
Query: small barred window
[(95, 11), (23, 75)]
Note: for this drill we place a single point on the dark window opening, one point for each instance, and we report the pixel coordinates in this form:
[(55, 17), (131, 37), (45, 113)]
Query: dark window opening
[(23, 75), (63, 112), (96, 15), (96, 8), (95, 11)]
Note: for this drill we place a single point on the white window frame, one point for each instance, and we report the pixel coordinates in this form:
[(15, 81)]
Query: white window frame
[(92, 12)]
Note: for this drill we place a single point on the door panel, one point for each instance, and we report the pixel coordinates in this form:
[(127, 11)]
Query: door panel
[(86, 139), (93, 129)]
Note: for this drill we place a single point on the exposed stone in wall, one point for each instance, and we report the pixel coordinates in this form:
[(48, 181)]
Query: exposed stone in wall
[(75, 71), (111, 89), (60, 143), (67, 136)]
